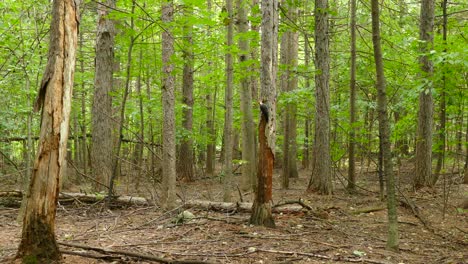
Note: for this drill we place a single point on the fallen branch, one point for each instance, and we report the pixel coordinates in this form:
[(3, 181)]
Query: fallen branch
[(407, 202), (369, 210), (90, 255), (132, 254), (335, 258)]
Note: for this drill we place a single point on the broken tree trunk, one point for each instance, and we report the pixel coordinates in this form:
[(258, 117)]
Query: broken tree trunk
[(38, 243), (261, 209)]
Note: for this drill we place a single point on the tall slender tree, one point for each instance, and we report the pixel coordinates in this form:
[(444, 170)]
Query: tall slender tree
[(384, 129), (423, 161), (248, 133), (116, 160), (83, 125), (254, 52), (228, 181), (102, 143), (185, 167), (288, 82), (261, 209), (210, 124), (168, 98), (306, 149), (352, 101), (321, 180), (38, 244), (442, 102)]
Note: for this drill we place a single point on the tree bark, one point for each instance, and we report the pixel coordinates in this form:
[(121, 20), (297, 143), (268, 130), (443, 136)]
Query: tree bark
[(84, 143), (289, 54), (26, 178), (210, 124), (248, 132), (261, 209), (352, 103), (38, 242), (228, 181), (169, 146), (138, 157), (442, 101), (306, 151), (102, 141), (321, 179), (423, 160), (384, 131), (185, 168), (115, 161), (465, 178), (254, 52)]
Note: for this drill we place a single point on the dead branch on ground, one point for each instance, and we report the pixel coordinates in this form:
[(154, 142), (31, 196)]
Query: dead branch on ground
[(334, 258), (131, 254)]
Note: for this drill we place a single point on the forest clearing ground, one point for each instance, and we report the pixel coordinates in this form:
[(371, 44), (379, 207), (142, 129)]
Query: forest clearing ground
[(330, 230)]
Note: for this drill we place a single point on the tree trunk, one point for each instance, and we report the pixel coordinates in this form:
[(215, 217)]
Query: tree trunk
[(38, 242), (384, 130), (352, 102), (210, 125), (115, 162), (423, 161), (169, 146), (289, 54), (152, 148), (465, 178), (261, 209), (84, 143), (254, 50), (211, 138), (442, 101), (141, 130), (76, 136), (306, 151), (185, 168), (228, 181), (248, 132), (101, 147), (321, 179)]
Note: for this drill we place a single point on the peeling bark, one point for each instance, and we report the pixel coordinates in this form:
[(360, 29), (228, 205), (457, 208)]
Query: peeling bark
[(261, 209), (38, 235)]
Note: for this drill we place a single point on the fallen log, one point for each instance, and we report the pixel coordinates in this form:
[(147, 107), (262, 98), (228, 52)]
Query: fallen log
[(92, 198), (239, 206), (367, 210), (65, 197), (124, 200)]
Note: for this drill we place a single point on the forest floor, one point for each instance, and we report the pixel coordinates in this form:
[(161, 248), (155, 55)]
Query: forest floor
[(342, 228)]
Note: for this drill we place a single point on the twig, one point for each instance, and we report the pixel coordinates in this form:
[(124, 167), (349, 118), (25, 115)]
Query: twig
[(240, 194), (84, 175)]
